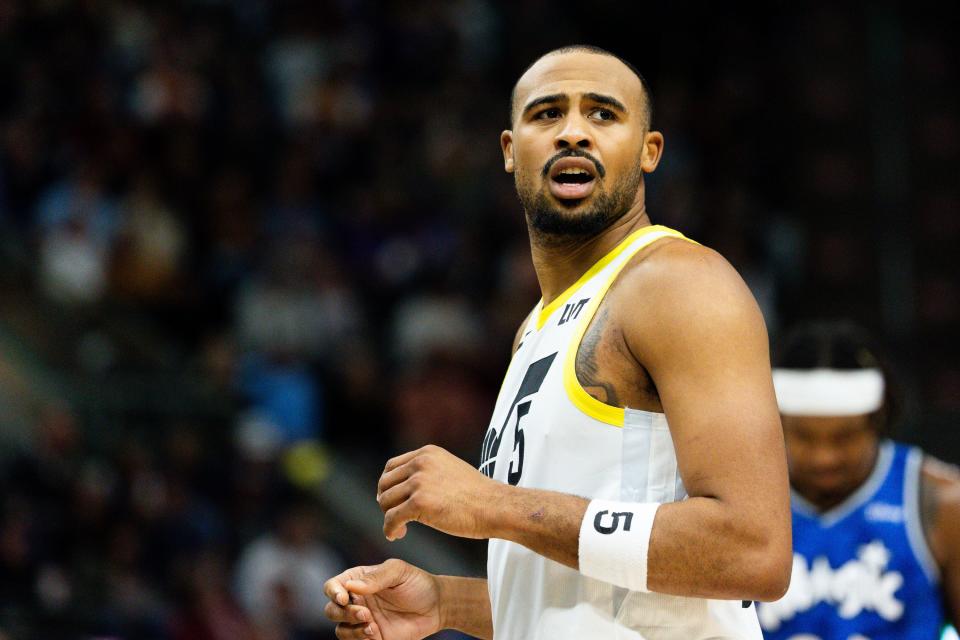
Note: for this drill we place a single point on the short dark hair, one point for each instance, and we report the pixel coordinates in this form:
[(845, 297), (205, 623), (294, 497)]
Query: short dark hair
[(589, 48), (844, 345)]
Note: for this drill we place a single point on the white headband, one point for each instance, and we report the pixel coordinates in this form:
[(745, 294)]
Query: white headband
[(828, 392)]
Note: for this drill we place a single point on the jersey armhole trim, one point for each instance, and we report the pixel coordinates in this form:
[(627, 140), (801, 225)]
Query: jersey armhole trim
[(575, 392), (911, 503), (543, 313)]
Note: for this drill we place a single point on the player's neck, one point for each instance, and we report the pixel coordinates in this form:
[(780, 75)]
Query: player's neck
[(560, 264)]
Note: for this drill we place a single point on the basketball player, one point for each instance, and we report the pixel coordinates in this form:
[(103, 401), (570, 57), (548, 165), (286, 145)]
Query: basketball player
[(633, 481), (876, 524)]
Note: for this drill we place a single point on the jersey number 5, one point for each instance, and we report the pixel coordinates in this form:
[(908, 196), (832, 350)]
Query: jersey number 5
[(513, 477), (532, 380)]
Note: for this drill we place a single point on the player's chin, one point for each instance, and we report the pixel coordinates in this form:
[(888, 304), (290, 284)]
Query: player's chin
[(570, 204), (831, 486)]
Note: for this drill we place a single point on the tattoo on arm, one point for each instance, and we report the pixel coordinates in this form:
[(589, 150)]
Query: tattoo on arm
[(588, 368)]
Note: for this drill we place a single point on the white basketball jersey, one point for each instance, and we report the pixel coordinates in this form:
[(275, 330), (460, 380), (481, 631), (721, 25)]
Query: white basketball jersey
[(547, 432)]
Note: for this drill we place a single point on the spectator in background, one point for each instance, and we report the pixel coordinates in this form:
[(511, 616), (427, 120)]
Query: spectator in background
[(280, 575), (296, 315), (876, 523), (151, 247), (77, 224), (209, 610)]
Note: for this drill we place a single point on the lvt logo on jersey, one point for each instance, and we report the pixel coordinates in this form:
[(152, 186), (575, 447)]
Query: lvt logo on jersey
[(861, 584)]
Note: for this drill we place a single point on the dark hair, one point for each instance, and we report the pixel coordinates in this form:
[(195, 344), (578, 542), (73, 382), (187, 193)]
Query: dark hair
[(844, 345), (589, 48)]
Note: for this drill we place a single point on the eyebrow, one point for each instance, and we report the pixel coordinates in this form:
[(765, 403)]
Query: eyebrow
[(553, 97), (606, 100), (598, 98)]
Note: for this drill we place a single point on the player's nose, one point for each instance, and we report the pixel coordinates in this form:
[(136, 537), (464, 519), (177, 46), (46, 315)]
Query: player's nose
[(826, 458), (574, 134)]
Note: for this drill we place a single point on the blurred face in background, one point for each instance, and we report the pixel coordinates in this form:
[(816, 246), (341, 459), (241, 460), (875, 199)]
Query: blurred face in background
[(829, 457), (580, 143)]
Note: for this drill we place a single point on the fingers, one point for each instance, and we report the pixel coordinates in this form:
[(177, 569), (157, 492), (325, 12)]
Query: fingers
[(353, 631), (394, 477), (336, 589), (404, 458), (351, 614), (376, 578), (399, 508), (395, 520), (397, 494)]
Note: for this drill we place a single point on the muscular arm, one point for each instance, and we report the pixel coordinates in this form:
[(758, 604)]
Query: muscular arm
[(704, 343), (940, 512), (702, 340), (705, 346)]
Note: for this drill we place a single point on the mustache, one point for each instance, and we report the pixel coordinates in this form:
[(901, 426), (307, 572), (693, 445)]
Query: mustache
[(573, 153)]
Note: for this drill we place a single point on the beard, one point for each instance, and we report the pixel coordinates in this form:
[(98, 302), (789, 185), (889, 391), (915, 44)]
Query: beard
[(556, 221)]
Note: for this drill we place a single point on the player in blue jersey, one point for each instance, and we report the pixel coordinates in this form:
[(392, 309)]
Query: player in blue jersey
[(876, 523)]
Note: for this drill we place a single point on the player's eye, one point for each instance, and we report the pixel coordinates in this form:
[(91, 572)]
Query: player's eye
[(603, 114), (548, 114)]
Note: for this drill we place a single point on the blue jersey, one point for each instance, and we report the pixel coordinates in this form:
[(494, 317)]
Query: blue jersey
[(862, 570)]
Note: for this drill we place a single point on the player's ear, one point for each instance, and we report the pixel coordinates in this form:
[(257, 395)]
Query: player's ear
[(652, 150), (506, 145)]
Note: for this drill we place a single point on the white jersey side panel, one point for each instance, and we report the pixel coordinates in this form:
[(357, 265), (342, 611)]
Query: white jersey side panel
[(547, 433)]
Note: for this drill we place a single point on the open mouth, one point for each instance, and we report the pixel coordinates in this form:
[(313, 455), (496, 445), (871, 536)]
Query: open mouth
[(572, 178)]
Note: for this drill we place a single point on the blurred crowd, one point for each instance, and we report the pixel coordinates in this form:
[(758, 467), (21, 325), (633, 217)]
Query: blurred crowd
[(162, 543), (300, 208)]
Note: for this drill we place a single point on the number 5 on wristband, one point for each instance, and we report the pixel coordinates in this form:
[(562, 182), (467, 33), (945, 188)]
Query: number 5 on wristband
[(614, 540)]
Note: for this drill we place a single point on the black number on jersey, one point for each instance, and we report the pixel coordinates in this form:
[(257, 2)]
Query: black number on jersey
[(513, 477), (531, 383), (613, 526)]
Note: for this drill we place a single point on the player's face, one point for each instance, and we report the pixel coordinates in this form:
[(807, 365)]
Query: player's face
[(829, 457), (579, 143)]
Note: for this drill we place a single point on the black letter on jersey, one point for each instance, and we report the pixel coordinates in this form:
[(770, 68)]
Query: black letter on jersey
[(598, 521), (532, 380), (572, 311)]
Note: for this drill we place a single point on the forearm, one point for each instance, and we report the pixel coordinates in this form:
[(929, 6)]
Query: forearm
[(698, 547), (547, 522), (465, 606)]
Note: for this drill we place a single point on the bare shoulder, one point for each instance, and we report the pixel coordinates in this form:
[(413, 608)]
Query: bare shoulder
[(940, 482), (939, 472), (684, 272), (940, 507), (683, 287)]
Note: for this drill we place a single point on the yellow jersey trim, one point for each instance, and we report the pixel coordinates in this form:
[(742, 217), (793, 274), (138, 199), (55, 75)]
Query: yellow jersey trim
[(578, 395), (546, 311)]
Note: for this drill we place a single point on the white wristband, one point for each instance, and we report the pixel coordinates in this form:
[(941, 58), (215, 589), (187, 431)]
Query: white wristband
[(614, 539)]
